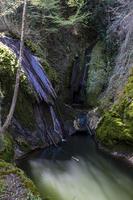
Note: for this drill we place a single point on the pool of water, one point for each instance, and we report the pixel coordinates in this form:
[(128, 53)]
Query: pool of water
[(77, 170)]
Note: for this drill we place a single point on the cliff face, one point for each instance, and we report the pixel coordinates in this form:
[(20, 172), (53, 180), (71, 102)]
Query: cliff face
[(115, 127), (120, 31), (57, 51), (89, 63)]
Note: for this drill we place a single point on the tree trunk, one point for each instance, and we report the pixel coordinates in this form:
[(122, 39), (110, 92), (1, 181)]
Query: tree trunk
[(16, 89)]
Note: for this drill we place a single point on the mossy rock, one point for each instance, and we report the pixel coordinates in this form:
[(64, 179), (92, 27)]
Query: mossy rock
[(116, 126), (14, 184), (8, 68), (98, 73), (6, 147), (24, 109)]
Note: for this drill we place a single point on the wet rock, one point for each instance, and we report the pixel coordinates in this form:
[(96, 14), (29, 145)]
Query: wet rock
[(93, 118), (80, 122), (36, 122)]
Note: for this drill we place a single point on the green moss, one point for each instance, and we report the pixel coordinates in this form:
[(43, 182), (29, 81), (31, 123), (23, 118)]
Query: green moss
[(6, 147), (2, 186), (52, 74), (8, 68), (7, 169), (113, 130), (34, 48), (116, 126), (97, 73), (24, 145), (24, 110)]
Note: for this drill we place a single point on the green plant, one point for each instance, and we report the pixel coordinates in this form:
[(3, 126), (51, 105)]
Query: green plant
[(49, 12)]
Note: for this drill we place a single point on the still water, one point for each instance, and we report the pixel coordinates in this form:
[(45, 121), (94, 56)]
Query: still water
[(77, 170)]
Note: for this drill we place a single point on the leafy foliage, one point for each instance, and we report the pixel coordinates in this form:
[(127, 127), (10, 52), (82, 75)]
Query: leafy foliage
[(51, 15), (75, 3), (7, 7)]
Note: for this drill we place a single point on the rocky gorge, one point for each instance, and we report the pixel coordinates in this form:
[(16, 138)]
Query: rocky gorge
[(80, 65)]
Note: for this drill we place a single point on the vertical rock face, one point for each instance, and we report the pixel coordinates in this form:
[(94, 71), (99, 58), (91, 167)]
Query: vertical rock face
[(79, 77), (116, 127), (47, 128), (89, 66), (3, 26), (98, 73), (120, 32), (116, 102)]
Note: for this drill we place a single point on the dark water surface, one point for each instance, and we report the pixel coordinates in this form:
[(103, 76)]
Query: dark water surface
[(77, 170)]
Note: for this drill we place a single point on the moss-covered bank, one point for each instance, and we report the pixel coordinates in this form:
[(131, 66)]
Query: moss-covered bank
[(6, 147), (15, 185), (116, 127)]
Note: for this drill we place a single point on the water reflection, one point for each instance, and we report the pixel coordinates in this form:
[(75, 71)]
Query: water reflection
[(95, 177)]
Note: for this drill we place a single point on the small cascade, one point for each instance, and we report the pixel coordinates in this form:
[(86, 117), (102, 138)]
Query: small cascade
[(84, 76), (75, 87), (33, 70), (56, 123), (79, 77), (38, 79)]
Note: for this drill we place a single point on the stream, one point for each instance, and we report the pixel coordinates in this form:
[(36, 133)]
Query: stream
[(77, 170)]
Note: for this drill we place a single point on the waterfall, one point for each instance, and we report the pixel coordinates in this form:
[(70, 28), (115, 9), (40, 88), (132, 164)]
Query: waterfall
[(79, 77), (56, 123), (37, 77), (33, 70)]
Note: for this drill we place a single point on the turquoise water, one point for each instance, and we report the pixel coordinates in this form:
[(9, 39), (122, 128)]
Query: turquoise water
[(78, 171)]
